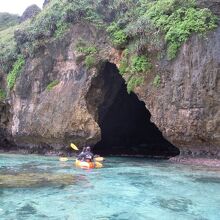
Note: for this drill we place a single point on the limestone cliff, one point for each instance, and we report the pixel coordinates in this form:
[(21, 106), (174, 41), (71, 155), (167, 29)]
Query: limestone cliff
[(184, 104)]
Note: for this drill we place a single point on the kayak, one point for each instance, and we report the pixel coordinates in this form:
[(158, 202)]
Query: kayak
[(88, 165)]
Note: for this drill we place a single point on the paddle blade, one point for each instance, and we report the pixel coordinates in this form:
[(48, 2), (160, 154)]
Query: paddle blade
[(73, 146), (99, 159), (98, 165)]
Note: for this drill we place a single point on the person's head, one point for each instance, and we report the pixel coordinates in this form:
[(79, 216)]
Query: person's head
[(88, 148)]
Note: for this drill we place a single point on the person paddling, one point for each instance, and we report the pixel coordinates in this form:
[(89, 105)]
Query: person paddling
[(89, 156), (81, 156), (86, 155)]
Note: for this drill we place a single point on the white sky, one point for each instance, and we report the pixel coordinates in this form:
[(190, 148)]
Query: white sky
[(18, 6)]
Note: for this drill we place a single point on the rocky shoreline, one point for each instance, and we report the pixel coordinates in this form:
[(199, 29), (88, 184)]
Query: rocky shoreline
[(209, 162)]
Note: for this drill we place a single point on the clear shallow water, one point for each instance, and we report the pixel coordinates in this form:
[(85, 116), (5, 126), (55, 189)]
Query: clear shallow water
[(126, 189)]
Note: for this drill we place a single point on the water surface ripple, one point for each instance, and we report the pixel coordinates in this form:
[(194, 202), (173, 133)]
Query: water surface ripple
[(125, 189)]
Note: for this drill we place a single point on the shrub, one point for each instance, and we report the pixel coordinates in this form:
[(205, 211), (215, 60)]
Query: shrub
[(140, 64), (61, 29), (132, 68), (178, 20), (87, 50), (84, 47), (90, 53), (8, 51), (118, 36), (183, 23), (123, 67), (133, 82), (90, 61), (12, 76), (2, 95), (124, 63), (157, 81)]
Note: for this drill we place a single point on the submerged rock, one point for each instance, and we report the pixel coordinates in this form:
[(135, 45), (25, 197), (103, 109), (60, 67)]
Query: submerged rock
[(177, 205), (28, 180)]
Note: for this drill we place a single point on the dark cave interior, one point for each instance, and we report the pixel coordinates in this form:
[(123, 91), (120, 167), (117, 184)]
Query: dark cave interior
[(125, 123)]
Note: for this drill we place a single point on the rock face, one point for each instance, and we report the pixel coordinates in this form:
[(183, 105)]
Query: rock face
[(60, 116), (4, 123), (186, 106), (30, 12), (46, 2), (214, 5)]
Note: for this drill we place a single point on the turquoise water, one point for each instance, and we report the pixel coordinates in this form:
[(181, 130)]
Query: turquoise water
[(126, 189)]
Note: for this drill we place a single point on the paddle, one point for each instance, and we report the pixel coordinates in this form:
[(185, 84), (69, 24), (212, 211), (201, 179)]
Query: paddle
[(73, 146), (64, 159), (98, 165), (99, 159)]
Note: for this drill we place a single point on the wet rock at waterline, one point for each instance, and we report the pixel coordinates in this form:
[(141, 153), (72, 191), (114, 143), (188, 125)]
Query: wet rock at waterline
[(26, 180)]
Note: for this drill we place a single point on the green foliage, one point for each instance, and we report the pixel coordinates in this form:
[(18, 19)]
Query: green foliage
[(140, 64), (55, 19), (2, 95), (90, 52), (14, 73), (51, 85), (178, 20), (157, 81), (61, 29), (90, 61), (8, 52), (118, 36), (133, 63), (133, 82), (123, 67), (143, 26), (83, 47), (133, 68), (8, 20), (124, 63)]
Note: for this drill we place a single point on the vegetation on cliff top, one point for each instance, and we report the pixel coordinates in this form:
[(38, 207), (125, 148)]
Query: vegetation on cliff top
[(8, 20), (142, 28)]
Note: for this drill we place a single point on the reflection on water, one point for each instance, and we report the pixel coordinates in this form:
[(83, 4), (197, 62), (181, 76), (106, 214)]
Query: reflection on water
[(33, 187)]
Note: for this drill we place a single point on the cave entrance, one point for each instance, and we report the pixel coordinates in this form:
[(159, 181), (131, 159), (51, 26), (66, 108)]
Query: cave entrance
[(125, 123)]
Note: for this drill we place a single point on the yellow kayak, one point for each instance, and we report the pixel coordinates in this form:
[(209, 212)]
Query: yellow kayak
[(88, 165)]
